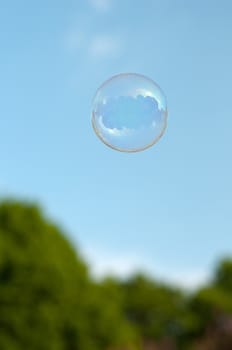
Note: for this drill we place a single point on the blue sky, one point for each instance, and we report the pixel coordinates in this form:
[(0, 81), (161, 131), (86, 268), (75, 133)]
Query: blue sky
[(166, 210)]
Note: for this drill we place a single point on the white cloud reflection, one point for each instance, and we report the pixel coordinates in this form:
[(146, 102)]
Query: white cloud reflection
[(114, 131)]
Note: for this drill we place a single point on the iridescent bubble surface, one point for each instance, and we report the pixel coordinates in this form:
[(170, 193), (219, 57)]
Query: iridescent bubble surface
[(129, 112)]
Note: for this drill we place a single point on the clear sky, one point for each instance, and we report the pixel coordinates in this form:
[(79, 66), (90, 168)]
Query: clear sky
[(167, 210)]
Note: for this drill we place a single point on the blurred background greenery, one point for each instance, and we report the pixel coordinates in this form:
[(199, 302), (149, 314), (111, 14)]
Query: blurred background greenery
[(49, 301)]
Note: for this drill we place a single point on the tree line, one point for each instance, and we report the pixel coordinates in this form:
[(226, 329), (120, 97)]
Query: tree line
[(48, 300)]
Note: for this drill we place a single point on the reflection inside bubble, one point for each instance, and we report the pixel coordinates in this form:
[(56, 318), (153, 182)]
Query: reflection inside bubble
[(131, 118)]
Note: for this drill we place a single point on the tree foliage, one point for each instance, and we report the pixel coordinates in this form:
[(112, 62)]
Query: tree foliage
[(48, 301)]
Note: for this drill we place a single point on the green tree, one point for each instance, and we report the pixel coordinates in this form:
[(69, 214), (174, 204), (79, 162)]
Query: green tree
[(212, 306), (41, 282), (157, 311), (47, 300), (223, 275), (107, 322)]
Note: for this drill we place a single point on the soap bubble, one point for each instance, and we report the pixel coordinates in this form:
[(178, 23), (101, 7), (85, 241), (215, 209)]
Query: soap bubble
[(129, 112)]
